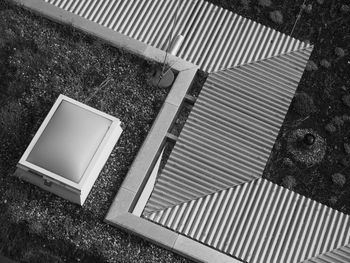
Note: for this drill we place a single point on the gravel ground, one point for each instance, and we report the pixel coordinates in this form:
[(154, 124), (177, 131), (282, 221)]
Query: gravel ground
[(38, 61)]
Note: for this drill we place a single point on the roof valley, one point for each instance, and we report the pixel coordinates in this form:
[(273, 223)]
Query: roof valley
[(230, 132)]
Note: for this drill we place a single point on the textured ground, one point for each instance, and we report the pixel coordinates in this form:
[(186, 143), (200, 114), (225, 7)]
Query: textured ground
[(322, 103), (38, 61)]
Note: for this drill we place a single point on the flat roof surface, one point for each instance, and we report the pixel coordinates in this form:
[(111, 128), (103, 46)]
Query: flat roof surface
[(69, 141)]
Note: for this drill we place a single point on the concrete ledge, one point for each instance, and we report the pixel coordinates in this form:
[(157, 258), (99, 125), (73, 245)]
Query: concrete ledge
[(180, 87), (148, 188), (122, 203), (110, 36), (150, 149), (172, 61), (169, 239), (144, 228), (153, 144)]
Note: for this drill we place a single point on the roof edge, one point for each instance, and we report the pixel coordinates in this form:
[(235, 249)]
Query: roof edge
[(307, 47)]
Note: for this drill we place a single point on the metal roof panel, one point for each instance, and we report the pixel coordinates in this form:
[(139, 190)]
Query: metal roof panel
[(214, 38), (261, 222), (231, 129)]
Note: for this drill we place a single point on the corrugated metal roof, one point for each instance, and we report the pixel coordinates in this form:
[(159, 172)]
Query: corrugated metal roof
[(339, 255), (215, 38), (261, 222), (229, 134)]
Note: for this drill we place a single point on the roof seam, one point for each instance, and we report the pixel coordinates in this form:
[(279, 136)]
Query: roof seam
[(243, 206), (262, 60), (230, 173), (197, 198)]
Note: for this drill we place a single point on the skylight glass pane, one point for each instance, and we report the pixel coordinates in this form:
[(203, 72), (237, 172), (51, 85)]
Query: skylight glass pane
[(69, 141)]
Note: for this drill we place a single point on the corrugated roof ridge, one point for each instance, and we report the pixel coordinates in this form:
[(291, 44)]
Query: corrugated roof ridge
[(297, 43), (215, 38), (170, 219), (292, 61), (236, 186), (307, 47), (338, 255), (221, 190), (188, 201)]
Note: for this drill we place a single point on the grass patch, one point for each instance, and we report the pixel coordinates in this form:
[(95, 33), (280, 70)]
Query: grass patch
[(39, 60)]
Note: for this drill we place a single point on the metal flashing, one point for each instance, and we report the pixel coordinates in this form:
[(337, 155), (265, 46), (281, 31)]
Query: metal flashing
[(230, 132)]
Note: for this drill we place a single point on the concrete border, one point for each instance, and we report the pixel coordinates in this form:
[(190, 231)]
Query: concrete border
[(120, 212), (149, 152), (110, 36), (148, 188)]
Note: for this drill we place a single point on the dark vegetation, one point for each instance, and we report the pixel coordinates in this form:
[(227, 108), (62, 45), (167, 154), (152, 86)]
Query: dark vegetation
[(39, 60), (322, 101)]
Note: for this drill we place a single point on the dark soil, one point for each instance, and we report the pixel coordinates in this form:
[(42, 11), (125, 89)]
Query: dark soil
[(326, 24), (39, 60)]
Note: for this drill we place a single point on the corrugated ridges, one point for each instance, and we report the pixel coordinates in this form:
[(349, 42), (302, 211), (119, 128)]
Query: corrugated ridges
[(144, 20), (215, 38), (261, 222), (339, 255), (219, 39), (231, 130)]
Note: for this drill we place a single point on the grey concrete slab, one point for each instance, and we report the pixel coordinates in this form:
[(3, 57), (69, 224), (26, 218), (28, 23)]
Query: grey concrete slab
[(148, 188), (144, 228), (112, 37), (122, 203), (150, 149), (171, 60), (180, 87)]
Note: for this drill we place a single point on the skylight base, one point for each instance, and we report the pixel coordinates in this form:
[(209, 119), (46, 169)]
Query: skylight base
[(69, 150)]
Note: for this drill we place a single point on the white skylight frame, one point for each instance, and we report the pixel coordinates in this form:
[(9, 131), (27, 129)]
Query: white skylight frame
[(89, 176)]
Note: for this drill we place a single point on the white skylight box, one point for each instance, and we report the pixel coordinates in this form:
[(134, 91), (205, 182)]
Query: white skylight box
[(70, 149)]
